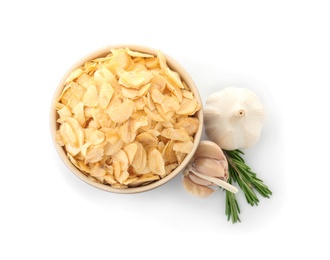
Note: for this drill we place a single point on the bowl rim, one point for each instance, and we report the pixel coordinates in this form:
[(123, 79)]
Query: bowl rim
[(101, 52)]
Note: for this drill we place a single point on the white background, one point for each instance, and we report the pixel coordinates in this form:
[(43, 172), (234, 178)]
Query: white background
[(279, 49)]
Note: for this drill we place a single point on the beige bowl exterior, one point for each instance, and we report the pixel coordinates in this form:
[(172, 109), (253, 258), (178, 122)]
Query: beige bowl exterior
[(102, 53)]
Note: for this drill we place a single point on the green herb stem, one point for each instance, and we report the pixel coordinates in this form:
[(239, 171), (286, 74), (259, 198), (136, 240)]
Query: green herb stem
[(232, 207), (246, 179)]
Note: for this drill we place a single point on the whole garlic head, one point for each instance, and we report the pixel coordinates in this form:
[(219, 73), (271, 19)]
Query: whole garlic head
[(207, 170), (233, 118)]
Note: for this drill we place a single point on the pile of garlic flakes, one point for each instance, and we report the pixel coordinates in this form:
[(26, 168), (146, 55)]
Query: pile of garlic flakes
[(126, 119)]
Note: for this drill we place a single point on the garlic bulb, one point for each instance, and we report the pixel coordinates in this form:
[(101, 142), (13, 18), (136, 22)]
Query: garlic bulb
[(208, 168), (233, 118)]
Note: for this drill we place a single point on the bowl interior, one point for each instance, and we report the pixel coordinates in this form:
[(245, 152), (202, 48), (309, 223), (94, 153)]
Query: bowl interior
[(102, 53)]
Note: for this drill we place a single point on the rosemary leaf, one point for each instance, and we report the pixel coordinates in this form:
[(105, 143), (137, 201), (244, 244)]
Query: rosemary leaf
[(247, 180), (232, 207)]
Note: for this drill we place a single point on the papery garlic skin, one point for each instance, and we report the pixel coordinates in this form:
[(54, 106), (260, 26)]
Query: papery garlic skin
[(207, 170), (233, 118), (210, 167), (197, 190)]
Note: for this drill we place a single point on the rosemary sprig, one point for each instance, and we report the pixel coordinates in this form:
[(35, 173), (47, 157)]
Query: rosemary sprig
[(246, 179), (232, 208)]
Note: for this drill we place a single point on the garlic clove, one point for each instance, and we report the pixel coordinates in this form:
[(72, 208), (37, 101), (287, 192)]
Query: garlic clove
[(221, 183), (233, 118), (195, 189), (209, 149), (194, 178), (209, 167)]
